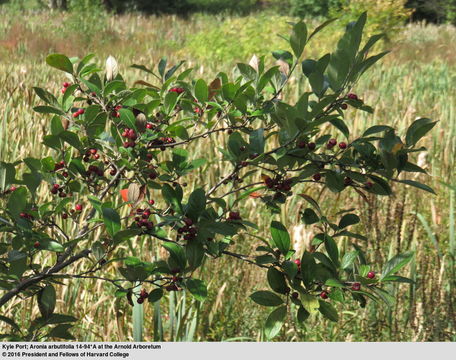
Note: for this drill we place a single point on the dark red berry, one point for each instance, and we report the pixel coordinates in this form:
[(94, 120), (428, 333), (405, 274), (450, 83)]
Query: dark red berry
[(370, 275), (78, 207), (356, 286), (311, 146), (140, 300), (324, 294), (65, 174), (244, 163), (65, 84), (347, 181), (352, 96), (331, 143), (317, 177), (64, 216), (188, 221), (343, 106), (36, 245), (368, 185), (295, 295), (297, 262), (301, 144), (54, 191), (343, 145), (151, 202)]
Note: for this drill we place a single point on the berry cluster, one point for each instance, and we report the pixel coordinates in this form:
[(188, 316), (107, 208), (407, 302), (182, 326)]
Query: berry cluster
[(234, 216), (142, 218), (175, 279), (301, 144), (142, 296), (178, 90), (65, 86), (57, 189), (189, 230), (129, 134), (78, 112), (91, 153), (115, 113), (278, 183), (26, 216), (93, 169), (58, 166)]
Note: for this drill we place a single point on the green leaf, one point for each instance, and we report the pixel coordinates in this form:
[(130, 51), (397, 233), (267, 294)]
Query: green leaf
[(57, 319), (201, 91), (176, 253), (111, 220), (172, 197), (17, 201), (61, 62), (51, 245), (266, 298), (290, 268), (309, 217), (155, 295), (334, 283), (328, 311), (196, 204), (334, 181), (197, 288), (48, 110), (274, 322), (395, 264), (376, 129), (61, 332), (72, 139), (280, 237), (348, 219), (248, 72), (331, 248), (310, 303), (7, 175), (170, 102), (47, 300), (46, 96), (276, 280), (308, 266), (128, 118), (298, 38), (256, 139), (348, 259), (417, 130), (417, 185)]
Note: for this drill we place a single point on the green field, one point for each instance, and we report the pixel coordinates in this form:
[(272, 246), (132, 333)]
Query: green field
[(417, 79)]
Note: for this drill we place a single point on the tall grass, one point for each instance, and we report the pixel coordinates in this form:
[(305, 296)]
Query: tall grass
[(416, 79)]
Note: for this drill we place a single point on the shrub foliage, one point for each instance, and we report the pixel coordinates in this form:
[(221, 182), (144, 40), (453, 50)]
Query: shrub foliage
[(118, 169)]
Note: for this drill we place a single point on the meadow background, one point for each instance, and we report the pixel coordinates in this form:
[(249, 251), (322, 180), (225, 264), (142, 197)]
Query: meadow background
[(418, 78)]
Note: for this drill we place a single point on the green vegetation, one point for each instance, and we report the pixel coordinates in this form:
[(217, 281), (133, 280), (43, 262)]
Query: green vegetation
[(417, 78)]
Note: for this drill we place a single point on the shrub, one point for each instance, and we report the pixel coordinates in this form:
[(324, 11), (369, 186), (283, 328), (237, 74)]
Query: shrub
[(385, 16), (118, 168)]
